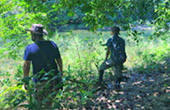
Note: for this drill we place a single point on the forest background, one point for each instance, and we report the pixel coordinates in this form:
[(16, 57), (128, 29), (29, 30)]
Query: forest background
[(80, 28)]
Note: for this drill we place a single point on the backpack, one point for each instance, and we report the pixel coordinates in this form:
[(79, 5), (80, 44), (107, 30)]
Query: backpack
[(118, 53)]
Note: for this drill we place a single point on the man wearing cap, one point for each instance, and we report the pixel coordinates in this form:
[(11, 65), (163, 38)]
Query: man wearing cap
[(116, 50), (45, 58)]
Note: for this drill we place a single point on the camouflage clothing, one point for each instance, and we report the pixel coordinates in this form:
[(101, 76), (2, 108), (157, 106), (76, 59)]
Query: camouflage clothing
[(108, 64), (117, 58), (117, 46)]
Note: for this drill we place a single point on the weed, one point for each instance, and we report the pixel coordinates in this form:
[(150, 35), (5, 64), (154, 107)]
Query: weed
[(81, 51)]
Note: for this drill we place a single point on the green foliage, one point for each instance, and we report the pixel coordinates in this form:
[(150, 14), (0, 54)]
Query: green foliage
[(82, 53), (13, 21), (154, 58), (161, 23), (11, 97), (85, 48), (99, 13), (135, 36), (79, 76), (95, 13)]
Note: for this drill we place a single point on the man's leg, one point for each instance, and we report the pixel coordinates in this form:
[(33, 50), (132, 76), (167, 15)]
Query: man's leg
[(118, 75), (101, 72), (105, 65), (43, 91)]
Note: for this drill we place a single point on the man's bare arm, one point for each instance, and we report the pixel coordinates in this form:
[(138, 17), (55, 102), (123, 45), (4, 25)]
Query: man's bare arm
[(107, 53), (60, 64), (26, 68)]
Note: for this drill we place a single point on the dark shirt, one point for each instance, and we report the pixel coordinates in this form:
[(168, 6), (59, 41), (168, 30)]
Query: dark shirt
[(34, 53), (115, 43)]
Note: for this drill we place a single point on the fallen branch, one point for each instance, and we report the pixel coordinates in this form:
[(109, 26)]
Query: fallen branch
[(76, 81), (1, 82), (97, 67)]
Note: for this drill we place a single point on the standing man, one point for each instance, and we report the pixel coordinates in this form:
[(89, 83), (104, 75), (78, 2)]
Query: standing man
[(116, 51), (45, 58)]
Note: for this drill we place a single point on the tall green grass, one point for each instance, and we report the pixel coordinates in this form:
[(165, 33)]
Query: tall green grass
[(81, 51)]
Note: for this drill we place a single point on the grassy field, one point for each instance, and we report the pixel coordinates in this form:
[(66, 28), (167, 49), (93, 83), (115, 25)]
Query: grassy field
[(81, 51)]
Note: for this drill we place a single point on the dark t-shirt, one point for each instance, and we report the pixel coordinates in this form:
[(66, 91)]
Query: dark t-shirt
[(33, 52), (116, 44), (109, 44)]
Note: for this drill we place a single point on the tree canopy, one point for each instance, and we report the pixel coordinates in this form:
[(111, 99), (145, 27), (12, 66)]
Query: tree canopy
[(16, 15)]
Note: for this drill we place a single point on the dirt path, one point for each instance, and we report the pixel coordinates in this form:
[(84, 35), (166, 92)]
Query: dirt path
[(138, 92)]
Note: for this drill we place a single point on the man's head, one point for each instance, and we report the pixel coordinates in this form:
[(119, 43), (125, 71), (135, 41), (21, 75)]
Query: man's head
[(37, 31), (115, 30)]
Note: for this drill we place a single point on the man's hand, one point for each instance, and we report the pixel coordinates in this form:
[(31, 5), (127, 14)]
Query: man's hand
[(26, 82), (25, 86)]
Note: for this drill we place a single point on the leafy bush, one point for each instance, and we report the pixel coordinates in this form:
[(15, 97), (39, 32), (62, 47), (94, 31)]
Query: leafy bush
[(154, 57), (11, 97), (81, 52)]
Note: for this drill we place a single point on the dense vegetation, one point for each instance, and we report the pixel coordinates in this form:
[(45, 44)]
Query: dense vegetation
[(147, 48)]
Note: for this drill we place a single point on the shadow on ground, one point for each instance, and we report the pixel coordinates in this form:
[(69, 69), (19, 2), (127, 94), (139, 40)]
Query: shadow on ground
[(144, 91)]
